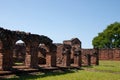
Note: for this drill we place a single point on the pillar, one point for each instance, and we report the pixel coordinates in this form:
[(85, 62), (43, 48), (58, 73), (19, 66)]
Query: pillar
[(51, 59), (27, 57), (6, 56), (66, 60), (77, 59), (51, 56), (88, 59), (34, 57), (1, 56), (97, 56), (7, 59), (1, 60)]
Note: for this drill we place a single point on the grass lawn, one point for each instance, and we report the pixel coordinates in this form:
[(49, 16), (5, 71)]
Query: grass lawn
[(110, 66), (107, 70)]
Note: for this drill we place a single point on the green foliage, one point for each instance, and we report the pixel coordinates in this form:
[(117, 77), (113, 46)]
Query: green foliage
[(109, 38)]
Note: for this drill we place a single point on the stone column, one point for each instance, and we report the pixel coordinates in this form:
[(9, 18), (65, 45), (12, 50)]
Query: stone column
[(1, 60), (1, 56), (27, 57), (34, 56), (88, 59), (77, 58), (7, 59), (67, 56), (97, 56), (51, 59), (48, 59), (51, 56), (6, 56)]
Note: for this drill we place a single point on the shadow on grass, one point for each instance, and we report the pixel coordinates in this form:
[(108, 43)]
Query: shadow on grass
[(33, 76), (87, 66)]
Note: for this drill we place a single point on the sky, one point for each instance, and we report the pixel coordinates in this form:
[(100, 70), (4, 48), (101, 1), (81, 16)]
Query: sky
[(60, 19)]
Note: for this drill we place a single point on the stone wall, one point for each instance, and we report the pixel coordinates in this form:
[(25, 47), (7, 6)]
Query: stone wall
[(104, 54), (109, 54)]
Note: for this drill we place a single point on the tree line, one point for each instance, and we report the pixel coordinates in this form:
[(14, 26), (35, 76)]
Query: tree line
[(109, 38)]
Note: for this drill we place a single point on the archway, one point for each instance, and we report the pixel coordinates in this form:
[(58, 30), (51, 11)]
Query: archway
[(42, 54), (19, 53)]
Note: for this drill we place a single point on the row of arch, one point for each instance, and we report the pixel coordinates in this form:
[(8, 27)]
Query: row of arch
[(8, 41), (11, 37), (69, 51)]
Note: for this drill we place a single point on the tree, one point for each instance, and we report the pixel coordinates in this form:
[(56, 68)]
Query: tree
[(109, 38)]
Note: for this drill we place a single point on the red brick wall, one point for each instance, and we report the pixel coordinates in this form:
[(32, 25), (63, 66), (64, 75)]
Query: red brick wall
[(109, 54)]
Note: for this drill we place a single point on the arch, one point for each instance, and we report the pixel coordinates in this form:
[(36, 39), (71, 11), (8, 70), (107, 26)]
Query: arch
[(41, 56), (19, 53), (42, 53), (45, 40)]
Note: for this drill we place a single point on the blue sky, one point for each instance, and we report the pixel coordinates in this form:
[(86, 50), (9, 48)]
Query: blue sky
[(60, 19)]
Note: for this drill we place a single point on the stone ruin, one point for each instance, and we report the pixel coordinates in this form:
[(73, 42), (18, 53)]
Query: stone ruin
[(90, 57), (40, 50), (8, 40), (76, 56)]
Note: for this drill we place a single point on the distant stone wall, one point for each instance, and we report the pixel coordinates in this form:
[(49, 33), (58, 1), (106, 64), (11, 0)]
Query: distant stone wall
[(104, 54), (109, 54)]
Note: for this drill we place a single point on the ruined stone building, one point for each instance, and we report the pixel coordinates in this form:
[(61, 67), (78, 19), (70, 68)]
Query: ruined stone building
[(37, 50), (73, 55), (9, 50), (77, 55)]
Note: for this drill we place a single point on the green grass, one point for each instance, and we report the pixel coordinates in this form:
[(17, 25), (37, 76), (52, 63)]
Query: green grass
[(110, 66), (19, 63), (105, 71)]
